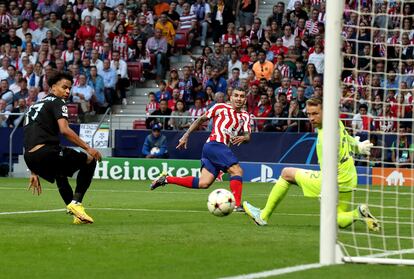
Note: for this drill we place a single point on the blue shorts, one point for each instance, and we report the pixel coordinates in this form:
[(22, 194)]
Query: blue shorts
[(217, 157)]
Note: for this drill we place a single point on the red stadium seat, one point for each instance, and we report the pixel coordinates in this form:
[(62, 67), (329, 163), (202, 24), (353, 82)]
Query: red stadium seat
[(181, 39), (73, 113), (134, 72), (139, 125)]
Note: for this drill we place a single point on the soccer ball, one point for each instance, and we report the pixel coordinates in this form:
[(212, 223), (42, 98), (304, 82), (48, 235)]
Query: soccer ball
[(221, 202)]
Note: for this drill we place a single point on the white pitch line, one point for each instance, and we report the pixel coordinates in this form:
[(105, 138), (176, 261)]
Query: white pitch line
[(32, 211), (139, 210), (276, 272)]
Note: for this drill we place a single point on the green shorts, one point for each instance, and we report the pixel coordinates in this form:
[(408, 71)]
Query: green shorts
[(311, 181)]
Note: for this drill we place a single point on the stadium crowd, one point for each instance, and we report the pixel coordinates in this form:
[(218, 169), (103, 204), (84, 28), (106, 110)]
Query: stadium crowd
[(279, 62)]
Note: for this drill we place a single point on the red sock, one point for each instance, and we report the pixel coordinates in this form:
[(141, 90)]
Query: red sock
[(187, 181), (236, 186)]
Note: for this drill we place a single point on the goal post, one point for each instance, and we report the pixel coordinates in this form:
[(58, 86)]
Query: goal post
[(369, 84), (329, 191)]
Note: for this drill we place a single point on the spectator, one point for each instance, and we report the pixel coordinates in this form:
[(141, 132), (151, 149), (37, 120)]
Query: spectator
[(277, 125), (361, 121), (96, 82), (202, 11), (82, 94), (287, 89), (263, 68), (218, 60), (40, 33), (180, 123), (92, 12), (189, 86), (197, 110), (163, 93), (120, 42), (152, 104), (3, 114), (221, 16), (402, 150), (164, 110), (155, 145), (6, 94), (167, 28), (157, 46), (317, 81), (120, 67), (277, 14), (86, 31), (69, 26), (263, 109), (216, 82), (17, 120), (288, 38), (173, 81), (247, 11), (109, 76), (317, 58), (293, 124)]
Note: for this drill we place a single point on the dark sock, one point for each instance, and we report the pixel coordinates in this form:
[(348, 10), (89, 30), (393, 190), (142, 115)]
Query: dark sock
[(83, 180), (65, 190)]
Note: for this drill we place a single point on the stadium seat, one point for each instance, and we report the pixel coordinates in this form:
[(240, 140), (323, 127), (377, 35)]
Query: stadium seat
[(135, 72), (181, 40), (139, 125), (73, 113)]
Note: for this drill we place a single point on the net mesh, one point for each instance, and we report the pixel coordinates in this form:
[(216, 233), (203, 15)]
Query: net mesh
[(377, 104)]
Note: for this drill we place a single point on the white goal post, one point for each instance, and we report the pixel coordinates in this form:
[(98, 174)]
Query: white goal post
[(387, 181)]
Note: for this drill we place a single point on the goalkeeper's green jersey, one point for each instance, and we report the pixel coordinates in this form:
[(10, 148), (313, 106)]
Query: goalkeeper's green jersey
[(347, 175)]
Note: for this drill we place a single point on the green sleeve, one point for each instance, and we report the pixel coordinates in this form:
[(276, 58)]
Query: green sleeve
[(353, 144)]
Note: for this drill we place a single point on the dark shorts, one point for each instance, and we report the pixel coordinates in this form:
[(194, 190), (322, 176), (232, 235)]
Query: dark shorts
[(217, 157), (53, 161)]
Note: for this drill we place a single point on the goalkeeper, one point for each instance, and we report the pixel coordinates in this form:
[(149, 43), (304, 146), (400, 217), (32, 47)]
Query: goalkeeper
[(310, 181)]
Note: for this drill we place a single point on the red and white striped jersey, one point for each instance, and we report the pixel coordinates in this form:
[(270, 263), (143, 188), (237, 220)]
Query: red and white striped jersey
[(312, 27), (151, 107), (232, 39), (227, 123), (196, 112), (120, 43), (6, 20), (98, 46)]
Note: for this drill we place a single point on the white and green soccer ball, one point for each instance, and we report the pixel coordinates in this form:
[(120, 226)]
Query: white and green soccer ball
[(221, 202)]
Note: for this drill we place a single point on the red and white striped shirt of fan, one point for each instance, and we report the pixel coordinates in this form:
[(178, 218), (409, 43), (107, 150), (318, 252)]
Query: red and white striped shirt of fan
[(227, 123), (312, 27)]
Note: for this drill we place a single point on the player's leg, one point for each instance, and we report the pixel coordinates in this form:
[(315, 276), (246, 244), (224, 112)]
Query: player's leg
[(65, 190), (345, 217), (276, 195), (279, 191), (71, 161), (362, 213), (236, 184)]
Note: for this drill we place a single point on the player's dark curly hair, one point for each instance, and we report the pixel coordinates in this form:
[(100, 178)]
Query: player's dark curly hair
[(58, 76)]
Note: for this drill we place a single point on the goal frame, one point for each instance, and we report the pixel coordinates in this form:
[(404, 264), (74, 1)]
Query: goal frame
[(330, 252)]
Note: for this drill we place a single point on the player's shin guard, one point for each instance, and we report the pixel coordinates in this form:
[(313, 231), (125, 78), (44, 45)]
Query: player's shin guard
[(236, 187), (277, 194), (65, 190), (186, 181), (84, 179)]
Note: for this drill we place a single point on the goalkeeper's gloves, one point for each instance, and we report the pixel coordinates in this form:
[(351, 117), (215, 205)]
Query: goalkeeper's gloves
[(364, 147)]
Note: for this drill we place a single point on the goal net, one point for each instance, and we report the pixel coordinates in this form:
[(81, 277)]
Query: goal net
[(377, 104)]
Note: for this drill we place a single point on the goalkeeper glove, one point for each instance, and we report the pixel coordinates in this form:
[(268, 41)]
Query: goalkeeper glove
[(364, 147)]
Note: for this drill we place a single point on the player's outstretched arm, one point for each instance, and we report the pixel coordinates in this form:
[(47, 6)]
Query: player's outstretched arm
[(182, 142), (363, 148), (68, 133)]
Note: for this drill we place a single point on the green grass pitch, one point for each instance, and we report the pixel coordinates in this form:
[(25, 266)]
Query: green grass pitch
[(166, 233)]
